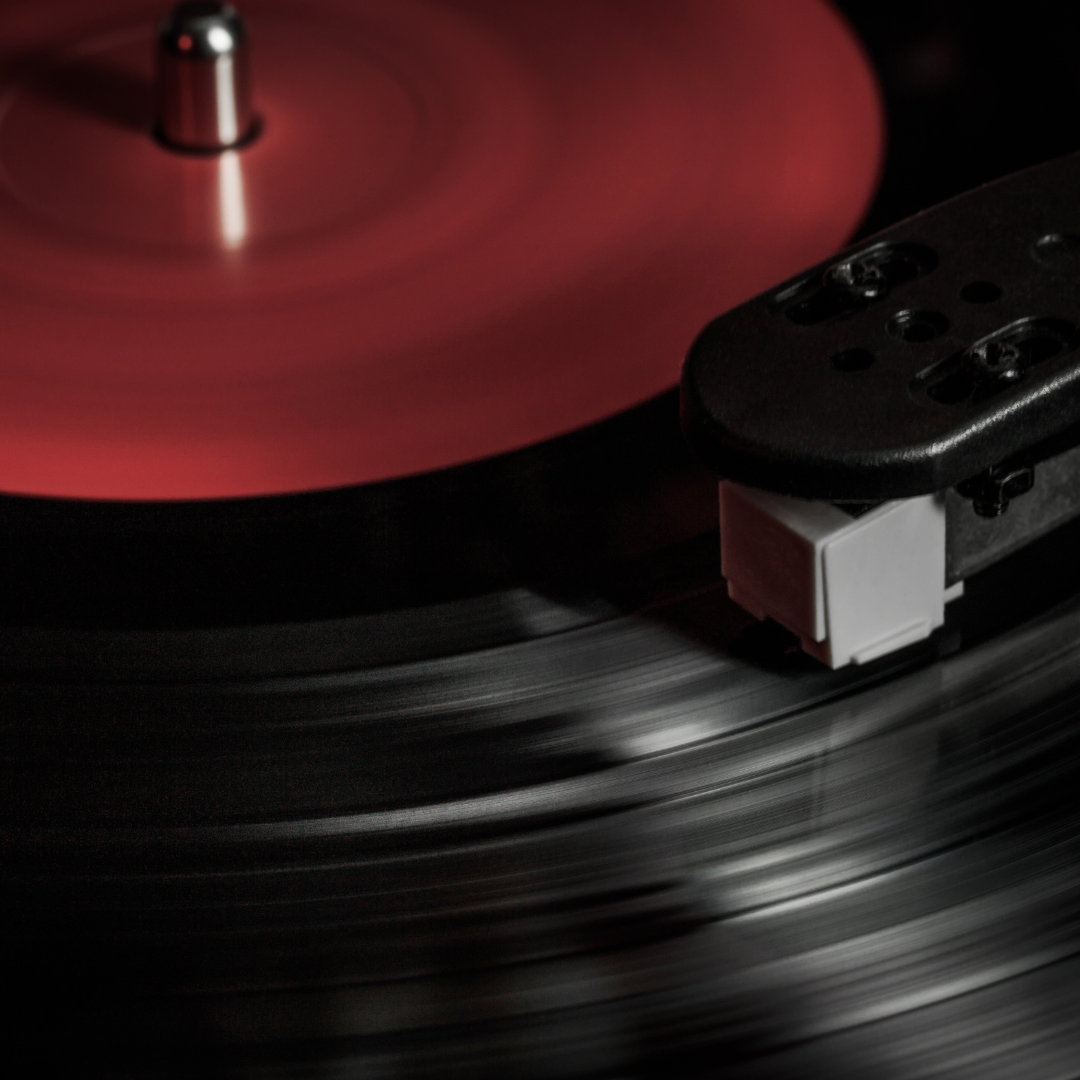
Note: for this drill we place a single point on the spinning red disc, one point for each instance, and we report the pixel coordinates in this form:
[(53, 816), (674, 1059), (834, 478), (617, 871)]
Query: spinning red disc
[(467, 225)]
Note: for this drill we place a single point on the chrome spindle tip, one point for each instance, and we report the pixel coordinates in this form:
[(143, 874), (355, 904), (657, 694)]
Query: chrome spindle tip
[(203, 78)]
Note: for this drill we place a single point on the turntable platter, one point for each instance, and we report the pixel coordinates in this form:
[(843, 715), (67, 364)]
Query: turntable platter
[(467, 226), (478, 771)]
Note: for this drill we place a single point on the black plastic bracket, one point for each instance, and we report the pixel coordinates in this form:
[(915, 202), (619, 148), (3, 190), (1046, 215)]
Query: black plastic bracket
[(922, 359)]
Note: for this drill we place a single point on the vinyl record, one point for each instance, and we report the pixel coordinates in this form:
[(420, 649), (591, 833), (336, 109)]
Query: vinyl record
[(465, 227), (477, 771), (616, 836)]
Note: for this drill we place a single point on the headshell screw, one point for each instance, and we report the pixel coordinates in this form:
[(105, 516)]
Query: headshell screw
[(858, 278), (994, 364)]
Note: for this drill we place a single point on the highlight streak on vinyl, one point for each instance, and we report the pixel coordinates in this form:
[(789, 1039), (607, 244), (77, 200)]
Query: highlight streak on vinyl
[(598, 845), (468, 226)]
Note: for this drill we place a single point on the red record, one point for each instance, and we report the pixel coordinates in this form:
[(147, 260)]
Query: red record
[(467, 225)]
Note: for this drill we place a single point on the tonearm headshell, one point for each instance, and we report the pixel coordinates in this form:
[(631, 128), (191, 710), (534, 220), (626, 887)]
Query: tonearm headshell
[(895, 420)]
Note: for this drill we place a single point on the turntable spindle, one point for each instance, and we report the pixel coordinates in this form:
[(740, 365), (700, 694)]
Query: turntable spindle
[(203, 82)]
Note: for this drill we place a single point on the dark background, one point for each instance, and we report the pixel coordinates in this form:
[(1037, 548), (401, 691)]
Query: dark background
[(973, 92)]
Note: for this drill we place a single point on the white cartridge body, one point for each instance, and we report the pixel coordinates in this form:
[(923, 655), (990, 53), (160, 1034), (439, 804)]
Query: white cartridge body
[(851, 588)]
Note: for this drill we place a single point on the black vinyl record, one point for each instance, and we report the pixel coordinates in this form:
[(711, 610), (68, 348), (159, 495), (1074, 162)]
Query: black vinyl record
[(481, 773)]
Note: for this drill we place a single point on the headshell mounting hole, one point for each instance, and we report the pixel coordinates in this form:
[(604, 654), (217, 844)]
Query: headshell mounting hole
[(916, 327), (856, 359), (1060, 249)]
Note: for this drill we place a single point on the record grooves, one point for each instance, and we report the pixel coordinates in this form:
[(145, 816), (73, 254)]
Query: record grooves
[(475, 770), (576, 852)]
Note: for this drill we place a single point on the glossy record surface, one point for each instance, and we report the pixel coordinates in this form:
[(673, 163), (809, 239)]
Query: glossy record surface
[(614, 835), (466, 227)]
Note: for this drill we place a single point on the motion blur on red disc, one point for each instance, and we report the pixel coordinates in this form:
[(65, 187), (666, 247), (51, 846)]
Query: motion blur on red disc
[(467, 225)]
